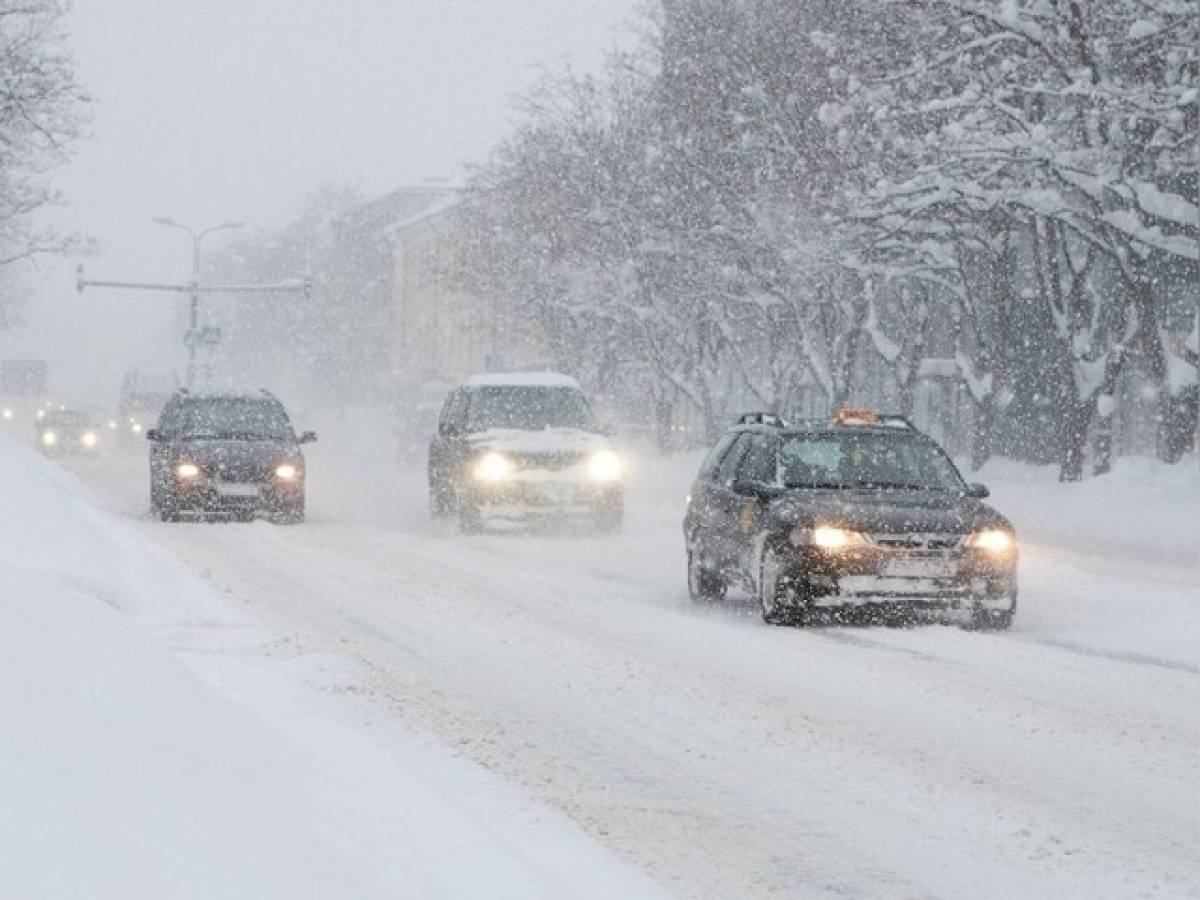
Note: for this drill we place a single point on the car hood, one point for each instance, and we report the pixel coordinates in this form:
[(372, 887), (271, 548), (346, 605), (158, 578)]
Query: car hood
[(546, 442), (890, 512), (222, 454)]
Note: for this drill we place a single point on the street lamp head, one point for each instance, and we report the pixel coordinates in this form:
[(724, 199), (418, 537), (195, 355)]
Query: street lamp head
[(231, 224), (165, 220)]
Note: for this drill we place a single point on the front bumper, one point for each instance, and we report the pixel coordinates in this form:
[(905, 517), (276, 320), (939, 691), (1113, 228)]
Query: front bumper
[(959, 579), (217, 497), (519, 498)]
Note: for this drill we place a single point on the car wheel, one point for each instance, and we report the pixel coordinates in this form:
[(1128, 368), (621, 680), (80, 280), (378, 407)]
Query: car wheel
[(470, 520), (441, 499), (994, 619), (705, 585), (292, 514), (776, 594)]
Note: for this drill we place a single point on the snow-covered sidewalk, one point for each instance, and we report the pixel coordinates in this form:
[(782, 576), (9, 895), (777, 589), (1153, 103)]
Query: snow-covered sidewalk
[(127, 773)]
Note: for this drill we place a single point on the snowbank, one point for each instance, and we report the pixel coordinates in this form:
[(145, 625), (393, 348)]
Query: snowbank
[(1143, 510), (125, 774)]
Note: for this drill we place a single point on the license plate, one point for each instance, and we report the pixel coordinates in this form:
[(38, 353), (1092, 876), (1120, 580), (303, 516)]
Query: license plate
[(558, 493), (237, 490), (919, 568)]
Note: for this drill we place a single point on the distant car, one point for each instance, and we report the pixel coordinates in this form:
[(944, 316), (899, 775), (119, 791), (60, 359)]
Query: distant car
[(67, 432), (864, 511), (227, 453), (520, 448)]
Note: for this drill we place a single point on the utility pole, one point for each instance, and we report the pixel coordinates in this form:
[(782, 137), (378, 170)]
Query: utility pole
[(196, 336)]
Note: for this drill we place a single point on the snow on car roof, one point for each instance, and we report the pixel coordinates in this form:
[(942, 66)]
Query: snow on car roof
[(522, 379)]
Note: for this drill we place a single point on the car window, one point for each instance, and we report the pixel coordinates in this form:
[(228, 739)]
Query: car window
[(169, 419), (449, 416), (759, 463), (709, 466), (730, 462), (866, 460), (526, 407), (233, 418)]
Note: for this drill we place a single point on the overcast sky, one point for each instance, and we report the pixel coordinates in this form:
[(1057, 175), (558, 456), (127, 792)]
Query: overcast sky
[(207, 110)]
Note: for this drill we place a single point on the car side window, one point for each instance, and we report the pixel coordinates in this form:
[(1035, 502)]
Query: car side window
[(170, 419), (709, 466), (450, 411), (760, 462), (730, 462)]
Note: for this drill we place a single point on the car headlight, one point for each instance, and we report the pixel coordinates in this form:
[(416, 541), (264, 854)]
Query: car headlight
[(7, 412), (493, 467), (605, 465), (828, 537), (187, 470), (286, 472), (88, 439), (135, 427), (993, 540), (49, 438)]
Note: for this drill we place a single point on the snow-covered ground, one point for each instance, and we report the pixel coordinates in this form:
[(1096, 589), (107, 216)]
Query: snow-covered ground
[(368, 705)]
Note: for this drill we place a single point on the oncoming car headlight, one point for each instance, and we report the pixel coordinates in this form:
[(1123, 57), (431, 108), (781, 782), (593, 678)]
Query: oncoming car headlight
[(49, 438), (8, 412), (493, 467), (605, 465), (286, 472), (993, 540), (187, 470), (88, 439), (135, 427), (828, 537)]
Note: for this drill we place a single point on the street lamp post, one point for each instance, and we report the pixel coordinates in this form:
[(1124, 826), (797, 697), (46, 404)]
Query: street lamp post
[(194, 306)]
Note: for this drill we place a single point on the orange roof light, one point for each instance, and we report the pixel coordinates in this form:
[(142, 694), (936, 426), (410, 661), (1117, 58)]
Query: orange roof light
[(855, 416)]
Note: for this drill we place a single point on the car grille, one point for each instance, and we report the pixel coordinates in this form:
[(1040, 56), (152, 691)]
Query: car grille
[(239, 472), (916, 543), (551, 461)]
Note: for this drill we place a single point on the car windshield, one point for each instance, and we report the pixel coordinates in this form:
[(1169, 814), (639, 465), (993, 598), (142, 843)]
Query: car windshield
[(68, 418), (526, 407), (869, 460), (234, 417)]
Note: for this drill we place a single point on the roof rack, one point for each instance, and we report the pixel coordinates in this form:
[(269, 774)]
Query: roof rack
[(762, 418)]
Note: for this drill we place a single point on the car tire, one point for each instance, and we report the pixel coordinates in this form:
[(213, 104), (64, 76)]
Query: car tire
[(776, 598), (470, 519), (292, 514), (705, 585), (441, 499), (994, 619)]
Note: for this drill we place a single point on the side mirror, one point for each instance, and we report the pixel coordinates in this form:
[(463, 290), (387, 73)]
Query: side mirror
[(308, 437), (978, 491), (447, 429), (759, 490), (152, 434)]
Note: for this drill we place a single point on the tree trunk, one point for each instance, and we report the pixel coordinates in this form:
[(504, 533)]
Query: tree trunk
[(981, 432), (1076, 417), (1177, 424)]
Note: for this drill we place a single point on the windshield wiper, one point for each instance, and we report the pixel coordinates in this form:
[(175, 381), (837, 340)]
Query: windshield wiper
[(897, 486), (829, 485)]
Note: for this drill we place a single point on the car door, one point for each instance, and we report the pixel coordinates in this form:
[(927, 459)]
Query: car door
[(449, 446), (758, 465), (723, 506), (700, 497)]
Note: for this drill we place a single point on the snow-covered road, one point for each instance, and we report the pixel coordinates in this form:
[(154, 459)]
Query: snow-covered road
[(720, 756)]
